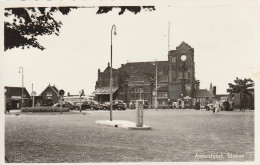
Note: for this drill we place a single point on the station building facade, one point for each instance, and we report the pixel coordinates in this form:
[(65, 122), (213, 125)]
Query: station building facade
[(137, 80)]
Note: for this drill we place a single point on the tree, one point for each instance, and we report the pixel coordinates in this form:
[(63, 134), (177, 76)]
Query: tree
[(245, 88), (24, 25), (134, 9)]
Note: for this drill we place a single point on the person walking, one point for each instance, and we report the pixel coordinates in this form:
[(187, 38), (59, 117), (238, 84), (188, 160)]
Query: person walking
[(174, 105), (217, 107)]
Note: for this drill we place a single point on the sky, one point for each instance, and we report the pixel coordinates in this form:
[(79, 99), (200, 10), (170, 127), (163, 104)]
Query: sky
[(224, 34)]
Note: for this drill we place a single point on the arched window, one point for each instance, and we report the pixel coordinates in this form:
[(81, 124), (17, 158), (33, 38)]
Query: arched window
[(138, 93)]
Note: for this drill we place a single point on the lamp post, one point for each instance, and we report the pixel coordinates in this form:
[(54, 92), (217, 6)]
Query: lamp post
[(156, 84), (21, 68), (111, 75)]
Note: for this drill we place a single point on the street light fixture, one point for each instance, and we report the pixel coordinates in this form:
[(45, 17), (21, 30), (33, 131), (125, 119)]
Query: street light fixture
[(21, 68), (111, 75)]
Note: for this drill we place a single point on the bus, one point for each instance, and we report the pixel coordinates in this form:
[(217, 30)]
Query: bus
[(76, 99)]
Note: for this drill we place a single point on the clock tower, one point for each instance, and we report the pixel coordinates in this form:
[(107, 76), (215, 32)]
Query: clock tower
[(181, 71)]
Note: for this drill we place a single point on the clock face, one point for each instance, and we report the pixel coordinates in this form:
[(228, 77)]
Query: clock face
[(183, 57)]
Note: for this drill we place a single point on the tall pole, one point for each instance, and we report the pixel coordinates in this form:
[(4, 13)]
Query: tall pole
[(111, 74), (169, 36), (5, 100), (156, 84), (22, 84)]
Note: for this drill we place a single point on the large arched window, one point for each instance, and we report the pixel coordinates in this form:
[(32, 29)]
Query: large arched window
[(138, 93)]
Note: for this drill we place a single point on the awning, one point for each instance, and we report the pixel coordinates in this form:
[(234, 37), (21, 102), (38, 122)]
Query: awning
[(104, 90)]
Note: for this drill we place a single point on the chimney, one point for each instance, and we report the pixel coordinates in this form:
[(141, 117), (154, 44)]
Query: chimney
[(214, 92), (210, 87)]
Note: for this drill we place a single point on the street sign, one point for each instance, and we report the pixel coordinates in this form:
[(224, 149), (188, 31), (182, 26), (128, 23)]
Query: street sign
[(33, 93), (61, 92)]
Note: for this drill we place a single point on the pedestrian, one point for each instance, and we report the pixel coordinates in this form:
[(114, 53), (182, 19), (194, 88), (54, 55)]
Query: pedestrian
[(178, 104), (174, 105), (131, 105), (217, 107), (7, 107), (227, 106)]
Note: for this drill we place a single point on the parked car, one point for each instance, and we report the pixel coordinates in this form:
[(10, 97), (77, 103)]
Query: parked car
[(227, 106), (65, 104), (105, 105), (209, 106), (117, 104), (91, 104)]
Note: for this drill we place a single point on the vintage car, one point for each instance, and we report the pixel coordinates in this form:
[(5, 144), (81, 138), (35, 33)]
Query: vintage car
[(91, 104), (117, 104), (65, 104)]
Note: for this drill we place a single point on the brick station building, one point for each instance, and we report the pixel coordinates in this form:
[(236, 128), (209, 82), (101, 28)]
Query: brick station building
[(137, 80)]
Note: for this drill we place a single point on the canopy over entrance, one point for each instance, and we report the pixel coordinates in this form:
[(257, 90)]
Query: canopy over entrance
[(104, 90)]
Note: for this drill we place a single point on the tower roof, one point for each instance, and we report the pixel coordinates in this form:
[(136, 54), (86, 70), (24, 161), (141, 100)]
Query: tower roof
[(183, 45)]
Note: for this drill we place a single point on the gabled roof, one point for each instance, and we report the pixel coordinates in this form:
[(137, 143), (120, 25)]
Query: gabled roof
[(202, 93), (52, 87), (183, 45), (181, 48), (108, 69), (143, 68)]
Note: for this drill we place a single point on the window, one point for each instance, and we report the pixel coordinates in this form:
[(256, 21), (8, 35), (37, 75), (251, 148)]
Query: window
[(174, 75), (180, 75), (136, 92), (162, 94), (138, 79), (180, 65), (49, 93), (173, 66), (164, 78), (173, 59), (186, 75)]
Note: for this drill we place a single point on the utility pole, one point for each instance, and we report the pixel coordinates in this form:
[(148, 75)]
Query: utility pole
[(22, 85)]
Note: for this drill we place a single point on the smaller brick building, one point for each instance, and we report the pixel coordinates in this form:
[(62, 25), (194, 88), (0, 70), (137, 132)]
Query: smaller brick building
[(49, 96), (13, 97)]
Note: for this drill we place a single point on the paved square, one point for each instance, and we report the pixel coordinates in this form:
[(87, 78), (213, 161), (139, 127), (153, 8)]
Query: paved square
[(179, 135)]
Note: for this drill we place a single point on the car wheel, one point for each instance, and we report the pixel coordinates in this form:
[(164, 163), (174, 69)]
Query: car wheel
[(92, 108), (77, 108)]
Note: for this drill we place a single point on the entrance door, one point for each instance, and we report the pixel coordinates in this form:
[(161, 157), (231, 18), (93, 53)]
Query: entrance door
[(49, 102), (15, 104)]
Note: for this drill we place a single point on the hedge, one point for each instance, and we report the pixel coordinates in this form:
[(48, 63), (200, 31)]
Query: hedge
[(44, 109)]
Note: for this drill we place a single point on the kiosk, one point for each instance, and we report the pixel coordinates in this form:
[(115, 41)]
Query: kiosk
[(140, 114)]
